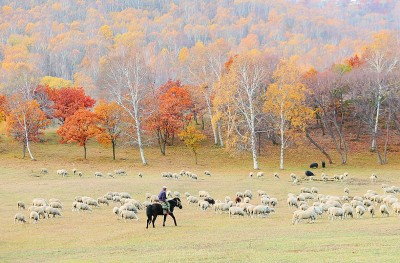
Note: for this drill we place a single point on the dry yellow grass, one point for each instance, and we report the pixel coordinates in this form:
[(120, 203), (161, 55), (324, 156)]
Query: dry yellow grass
[(200, 236)]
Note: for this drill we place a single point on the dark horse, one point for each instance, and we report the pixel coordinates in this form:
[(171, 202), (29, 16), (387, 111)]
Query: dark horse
[(155, 210)]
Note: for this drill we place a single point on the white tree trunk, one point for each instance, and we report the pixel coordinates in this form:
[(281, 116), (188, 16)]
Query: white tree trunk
[(27, 140), (254, 150), (221, 141), (214, 130), (375, 131)]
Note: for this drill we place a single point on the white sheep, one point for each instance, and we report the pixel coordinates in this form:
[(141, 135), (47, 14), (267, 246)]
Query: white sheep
[(91, 202), (371, 210), (300, 215), (43, 171), (384, 210), (276, 175), (305, 190), (33, 216), (334, 212), (125, 195), (324, 177), (227, 199), (192, 200), (80, 174), (62, 172), (98, 174), (347, 210), (221, 207), (293, 176), (177, 194), (236, 211), (102, 200), (260, 174), (21, 205), (273, 201), (129, 207), (19, 218), (207, 173), (204, 194), (116, 210), (239, 194), (110, 175), (140, 174), (125, 214), (56, 205), (248, 194), (261, 192), (360, 211), (74, 171), (39, 202), (292, 201), (53, 211), (373, 178), (120, 172), (314, 190), (261, 210), (187, 194), (204, 205), (347, 191)]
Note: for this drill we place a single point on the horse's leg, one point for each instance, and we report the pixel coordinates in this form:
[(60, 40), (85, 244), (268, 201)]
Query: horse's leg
[(173, 217), (148, 222), (154, 220), (165, 218)]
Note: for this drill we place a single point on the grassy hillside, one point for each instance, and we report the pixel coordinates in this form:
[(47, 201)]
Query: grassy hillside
[(200, 236)]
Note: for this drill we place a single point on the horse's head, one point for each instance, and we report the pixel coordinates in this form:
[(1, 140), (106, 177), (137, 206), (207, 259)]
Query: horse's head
[(178, 202)]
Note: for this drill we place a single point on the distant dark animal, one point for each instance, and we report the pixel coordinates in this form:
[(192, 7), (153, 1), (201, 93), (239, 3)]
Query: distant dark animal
[(323, 164), (154, 210), (314, 165), (238, 199), (309, 173), (210, 200)]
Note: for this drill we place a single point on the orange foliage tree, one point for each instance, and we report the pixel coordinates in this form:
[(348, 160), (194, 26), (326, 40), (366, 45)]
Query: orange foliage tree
[(25, 120), (110, 116), (68, 100), (172, 109), (192, 139), (79, 128)]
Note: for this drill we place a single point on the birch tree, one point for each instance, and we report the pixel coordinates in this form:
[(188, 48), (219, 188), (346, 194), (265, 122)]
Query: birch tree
[(128, 81), (286, 104)]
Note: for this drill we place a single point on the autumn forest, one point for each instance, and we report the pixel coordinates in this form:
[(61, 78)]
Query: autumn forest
[(230, 72)]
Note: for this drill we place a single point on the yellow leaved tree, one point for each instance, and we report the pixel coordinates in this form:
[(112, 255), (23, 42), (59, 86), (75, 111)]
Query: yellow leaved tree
[(285, 104), (192, 139)]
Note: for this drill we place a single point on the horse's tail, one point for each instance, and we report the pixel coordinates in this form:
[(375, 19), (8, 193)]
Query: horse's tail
[(148, 211)]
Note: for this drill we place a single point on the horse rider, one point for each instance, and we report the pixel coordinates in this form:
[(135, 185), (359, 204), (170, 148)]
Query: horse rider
[(162, 197)]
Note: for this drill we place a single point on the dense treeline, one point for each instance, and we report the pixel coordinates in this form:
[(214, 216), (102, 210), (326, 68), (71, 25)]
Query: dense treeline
[(257, 70)]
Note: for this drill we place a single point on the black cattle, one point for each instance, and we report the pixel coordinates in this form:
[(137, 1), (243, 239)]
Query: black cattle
[(309, 173), (314, 165), (323, 164)]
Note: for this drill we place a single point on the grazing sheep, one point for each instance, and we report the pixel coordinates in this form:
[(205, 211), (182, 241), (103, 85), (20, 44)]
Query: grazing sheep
[(260, 174), (265, 200), (235, 211), (347, 191), (62, 172), (207, 173), (129, 207), (371, 210), (360, 211), (324, 177), (239, 194), (116, 198), (51, 200), (140, 174), (373, 178), (125, 214), (116, 210), (187, 194), (110, 175), (261, 210), (222, 207), (120, 172), (102, 200), (204, 205), (56, 205), (204, 194), (347, 210), (384, 210), (273, 202), (33, 216), (292, 201), (43, 171), (182, 173), (153, 198), (74, 171), (148, 196), (276, 175), (314, 190), (125, 195), (305, 190), (80, 174), (39, 202), (98, 174), (192, 200), (19, 218), (248, 194), (261, 192), (308, 214), (293, 176), (53, 211), (177, 194), (83, 207), (227, 199), (91, 202), (193, 176), (38, 209), (246, 200), (21, 205), (314, 165), (334, 212)]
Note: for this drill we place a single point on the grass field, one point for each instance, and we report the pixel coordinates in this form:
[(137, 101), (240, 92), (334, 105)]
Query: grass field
[(200, 236)]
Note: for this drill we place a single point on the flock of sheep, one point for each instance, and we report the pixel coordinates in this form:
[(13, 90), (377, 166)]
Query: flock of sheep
[(309, 204), (64, 173)]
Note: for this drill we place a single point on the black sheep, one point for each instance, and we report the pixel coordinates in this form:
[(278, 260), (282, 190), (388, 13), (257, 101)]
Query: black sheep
[(314, 165), (309, 173), (323, 164), (210, 200)]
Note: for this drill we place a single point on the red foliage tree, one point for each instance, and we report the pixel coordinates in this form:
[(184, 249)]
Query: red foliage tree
[(25, 120), (171, 112), (79, 128), (68, 100)]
